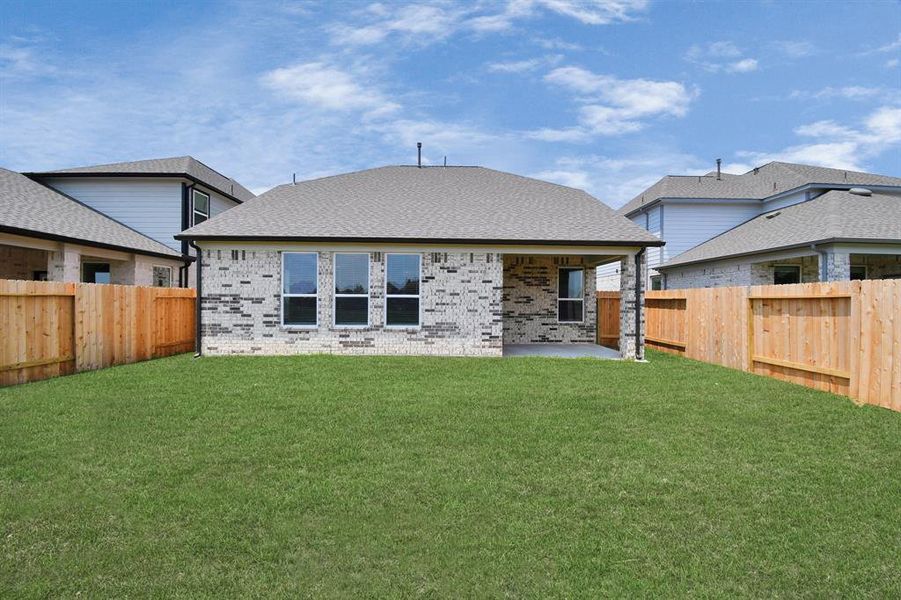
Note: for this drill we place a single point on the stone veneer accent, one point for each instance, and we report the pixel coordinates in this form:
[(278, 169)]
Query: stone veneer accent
[(530, 301), (631, 342), (735, 273), (837, 267), (460, 296)]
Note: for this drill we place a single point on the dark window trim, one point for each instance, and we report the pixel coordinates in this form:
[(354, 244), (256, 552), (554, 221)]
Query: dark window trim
[(580, 299)]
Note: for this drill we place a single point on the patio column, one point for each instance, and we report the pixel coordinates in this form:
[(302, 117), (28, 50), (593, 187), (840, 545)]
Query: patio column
[(631, 306), (64, 265), (835, 266)]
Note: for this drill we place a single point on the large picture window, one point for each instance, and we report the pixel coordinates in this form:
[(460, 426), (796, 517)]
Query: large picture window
[(299, 289), (352, 290), (570, 295), (783, 274), (402, 279), (201, 207), (95, 273)]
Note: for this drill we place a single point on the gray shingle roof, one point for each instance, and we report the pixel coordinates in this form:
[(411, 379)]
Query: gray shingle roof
[(762, 182), (430, 203), (27, 207), (834, 215), (180, 165)]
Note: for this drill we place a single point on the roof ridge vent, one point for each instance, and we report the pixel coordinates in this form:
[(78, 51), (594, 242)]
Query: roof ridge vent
[(859, 191)]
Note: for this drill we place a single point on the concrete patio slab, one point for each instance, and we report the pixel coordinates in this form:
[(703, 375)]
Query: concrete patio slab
[(562, 351)]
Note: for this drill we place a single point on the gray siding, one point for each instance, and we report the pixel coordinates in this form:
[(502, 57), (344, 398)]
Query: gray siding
[(150, 206), (688, 225)]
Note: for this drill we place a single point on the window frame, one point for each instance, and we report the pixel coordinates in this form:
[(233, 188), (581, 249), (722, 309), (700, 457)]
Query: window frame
[(283, 295), (153, 276), (194, 211), (581, 299), (367, 295), (417, 296), (109, 270), (798, 267)]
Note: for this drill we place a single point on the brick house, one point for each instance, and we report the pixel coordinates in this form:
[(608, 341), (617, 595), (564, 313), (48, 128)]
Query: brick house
[(47, 235), (720, 231), (413, 260)]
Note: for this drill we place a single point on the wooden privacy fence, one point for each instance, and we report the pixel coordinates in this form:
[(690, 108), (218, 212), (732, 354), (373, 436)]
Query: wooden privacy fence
[(49, 328), (843, 337)]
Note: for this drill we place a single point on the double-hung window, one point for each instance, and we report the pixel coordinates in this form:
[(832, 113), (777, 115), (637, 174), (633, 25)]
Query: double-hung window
[(299, 286), (201, 207), (352, 290), (402, 280), (570, 295)]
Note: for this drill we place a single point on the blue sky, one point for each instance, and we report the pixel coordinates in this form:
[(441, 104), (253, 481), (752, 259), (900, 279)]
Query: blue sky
[(606, 95)]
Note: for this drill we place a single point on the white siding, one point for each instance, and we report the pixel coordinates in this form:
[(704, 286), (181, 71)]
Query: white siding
[(687, 225), (151, 206), (218, 203), (783, 202), (655, 226)]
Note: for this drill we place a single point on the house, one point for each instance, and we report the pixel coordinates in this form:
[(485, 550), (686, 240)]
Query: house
[(688, 211), (413, 260), (46, 235), (156, 197), (836, 236)]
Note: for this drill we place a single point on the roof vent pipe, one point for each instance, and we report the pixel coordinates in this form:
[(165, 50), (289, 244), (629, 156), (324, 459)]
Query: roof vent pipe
[(860, 191), (719, 164), (419, 154)]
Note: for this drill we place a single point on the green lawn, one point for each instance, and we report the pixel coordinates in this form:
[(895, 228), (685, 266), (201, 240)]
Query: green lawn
[(340, 476)]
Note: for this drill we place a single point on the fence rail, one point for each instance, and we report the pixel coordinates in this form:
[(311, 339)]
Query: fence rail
[(49, 328), (842, 337)]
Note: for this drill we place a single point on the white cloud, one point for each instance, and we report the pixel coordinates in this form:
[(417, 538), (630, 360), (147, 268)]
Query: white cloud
[(428, 22), (849, 92), (891, 63), (839, 146), (613, 106), (24, 58), (326, 87), (522, 66), (615, 181), (720, 56), (795, 48), (745, 65), (885, 48)]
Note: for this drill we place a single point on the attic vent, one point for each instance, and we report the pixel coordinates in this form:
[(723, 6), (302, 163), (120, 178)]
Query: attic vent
[(860, 192), (774, 215)]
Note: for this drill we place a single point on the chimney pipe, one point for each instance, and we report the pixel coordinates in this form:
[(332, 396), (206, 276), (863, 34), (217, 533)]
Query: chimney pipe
[(419, 154), (719, 162)]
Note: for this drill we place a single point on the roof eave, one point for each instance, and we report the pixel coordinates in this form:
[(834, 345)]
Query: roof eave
[(406, 240), (82, 242), (188, 176), (833, 240)]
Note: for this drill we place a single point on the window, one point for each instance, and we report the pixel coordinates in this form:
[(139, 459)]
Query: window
[(570, 295), (95, 273), (657, 282), (858, 272), (352, 290), (299, 286), (39, 276), (786, 274), (201, 207), (402, 290), (162, 276)]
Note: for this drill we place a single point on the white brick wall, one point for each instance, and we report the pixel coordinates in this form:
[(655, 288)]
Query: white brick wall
[(460, 307)]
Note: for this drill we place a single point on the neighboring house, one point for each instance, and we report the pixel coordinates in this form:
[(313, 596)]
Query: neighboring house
[(837, 236), (410, 260), (687, 211), (46, 235), (157, 197)]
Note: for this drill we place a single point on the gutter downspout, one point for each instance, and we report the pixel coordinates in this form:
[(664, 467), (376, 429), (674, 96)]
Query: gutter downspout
[(639, 347), (185, 223), (199, 300)]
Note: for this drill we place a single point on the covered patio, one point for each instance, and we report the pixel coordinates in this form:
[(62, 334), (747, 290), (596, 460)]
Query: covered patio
[(562, 351), (549, 304)]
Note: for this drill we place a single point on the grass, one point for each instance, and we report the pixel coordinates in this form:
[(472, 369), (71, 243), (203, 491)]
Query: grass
[(337, 476)]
